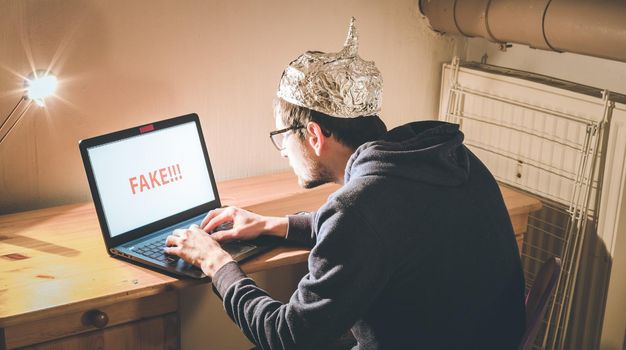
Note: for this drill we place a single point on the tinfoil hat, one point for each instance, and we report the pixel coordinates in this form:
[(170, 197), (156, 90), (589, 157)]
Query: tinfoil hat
[(338, 84)]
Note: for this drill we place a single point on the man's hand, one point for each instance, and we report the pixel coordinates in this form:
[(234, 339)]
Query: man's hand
[(246, 225), (197, 248)]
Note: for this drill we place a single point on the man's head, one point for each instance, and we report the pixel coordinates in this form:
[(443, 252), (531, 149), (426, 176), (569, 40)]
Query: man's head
[(318, 145), (329, 103)]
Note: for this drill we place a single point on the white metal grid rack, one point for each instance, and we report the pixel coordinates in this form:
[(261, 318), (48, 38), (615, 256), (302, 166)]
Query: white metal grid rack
[(544, 149)]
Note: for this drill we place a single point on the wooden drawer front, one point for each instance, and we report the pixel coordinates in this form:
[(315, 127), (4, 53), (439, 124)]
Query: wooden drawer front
[(157, 333), (57, 327)]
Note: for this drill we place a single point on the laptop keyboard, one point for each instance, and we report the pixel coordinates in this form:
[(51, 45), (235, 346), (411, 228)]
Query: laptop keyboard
[(154, 248)]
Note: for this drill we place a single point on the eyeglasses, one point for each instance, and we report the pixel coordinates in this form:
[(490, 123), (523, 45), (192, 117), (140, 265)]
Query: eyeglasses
[(279, 136)]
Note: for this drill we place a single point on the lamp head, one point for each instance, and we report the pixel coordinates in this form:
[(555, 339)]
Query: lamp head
[(39, 85)]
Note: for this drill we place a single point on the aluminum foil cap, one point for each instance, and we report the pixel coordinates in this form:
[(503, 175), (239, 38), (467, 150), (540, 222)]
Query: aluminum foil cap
[(339, 84)]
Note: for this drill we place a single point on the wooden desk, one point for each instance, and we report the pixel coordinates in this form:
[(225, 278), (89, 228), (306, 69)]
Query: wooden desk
[(55, 273)]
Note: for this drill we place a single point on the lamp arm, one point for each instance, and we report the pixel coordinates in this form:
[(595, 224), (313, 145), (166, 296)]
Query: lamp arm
[(17, 120), (12, 111)]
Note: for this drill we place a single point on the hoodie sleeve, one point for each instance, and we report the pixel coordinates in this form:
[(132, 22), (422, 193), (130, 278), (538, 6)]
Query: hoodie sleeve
[(346, 273), (300, 229)]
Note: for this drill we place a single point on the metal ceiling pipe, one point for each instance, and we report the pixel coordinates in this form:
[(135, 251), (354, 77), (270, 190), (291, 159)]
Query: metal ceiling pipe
[(519, 22), (471, 18), (595, 28)]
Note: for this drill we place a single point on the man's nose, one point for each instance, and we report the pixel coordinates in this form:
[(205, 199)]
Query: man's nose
[(283, 153)]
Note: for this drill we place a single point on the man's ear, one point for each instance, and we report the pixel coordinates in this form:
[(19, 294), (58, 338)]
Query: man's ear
[(315, 137)]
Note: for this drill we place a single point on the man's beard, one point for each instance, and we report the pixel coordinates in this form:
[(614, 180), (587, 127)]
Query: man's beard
[(312, 183), (318, 174)]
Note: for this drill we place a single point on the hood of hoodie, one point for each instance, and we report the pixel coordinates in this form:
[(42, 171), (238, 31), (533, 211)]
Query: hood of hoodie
[(428, 151)]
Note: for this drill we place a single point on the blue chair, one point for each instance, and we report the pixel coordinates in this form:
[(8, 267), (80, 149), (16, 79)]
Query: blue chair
[(537, 299)]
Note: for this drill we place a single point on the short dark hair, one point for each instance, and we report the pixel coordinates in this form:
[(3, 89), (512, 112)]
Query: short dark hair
[(351, 132)]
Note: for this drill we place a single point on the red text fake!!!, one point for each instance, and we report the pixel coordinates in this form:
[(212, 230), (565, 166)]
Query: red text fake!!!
[(154, 179)]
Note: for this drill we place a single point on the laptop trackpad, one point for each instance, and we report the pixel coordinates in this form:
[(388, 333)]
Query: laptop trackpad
[(237, 248)]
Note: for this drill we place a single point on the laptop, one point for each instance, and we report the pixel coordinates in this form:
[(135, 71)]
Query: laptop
[(149, 180)]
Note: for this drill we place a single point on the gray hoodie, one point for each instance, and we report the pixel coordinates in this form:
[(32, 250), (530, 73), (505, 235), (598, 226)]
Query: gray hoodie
[(415, 251)]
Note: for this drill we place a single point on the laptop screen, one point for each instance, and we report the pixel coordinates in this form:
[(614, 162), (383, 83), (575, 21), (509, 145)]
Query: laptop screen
[(150, 176)]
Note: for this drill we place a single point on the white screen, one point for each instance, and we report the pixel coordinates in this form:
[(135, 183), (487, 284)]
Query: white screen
[(151, 176)]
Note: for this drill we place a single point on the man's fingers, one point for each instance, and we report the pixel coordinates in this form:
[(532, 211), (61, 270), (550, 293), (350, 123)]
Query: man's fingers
[(217, 220), (172, 250), (224, 236), (172, 240), (179, 232), (213, 213)]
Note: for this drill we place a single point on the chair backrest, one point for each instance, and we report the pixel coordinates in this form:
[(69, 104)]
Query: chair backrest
[(537, 299)]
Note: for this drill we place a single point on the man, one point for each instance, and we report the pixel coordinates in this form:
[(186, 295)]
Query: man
[(414, 251)]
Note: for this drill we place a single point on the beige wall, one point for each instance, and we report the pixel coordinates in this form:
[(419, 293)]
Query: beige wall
[(124, 63)]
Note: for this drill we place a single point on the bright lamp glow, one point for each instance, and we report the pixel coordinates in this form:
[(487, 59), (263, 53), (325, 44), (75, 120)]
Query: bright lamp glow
[(40, 85), (37, 86)]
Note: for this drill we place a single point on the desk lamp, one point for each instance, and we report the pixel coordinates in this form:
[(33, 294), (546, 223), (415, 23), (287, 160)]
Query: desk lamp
[(37, 86)]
